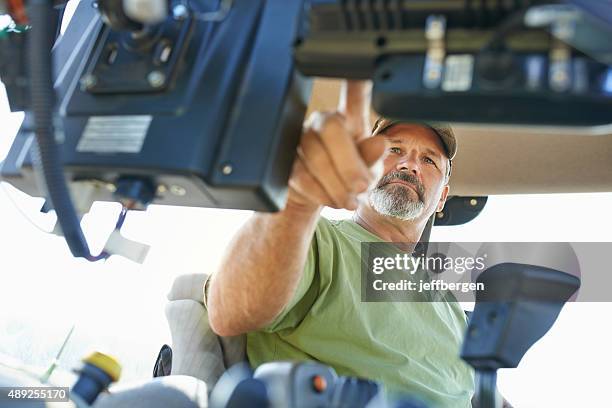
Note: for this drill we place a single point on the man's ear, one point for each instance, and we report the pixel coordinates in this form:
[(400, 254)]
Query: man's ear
[(443, 197)]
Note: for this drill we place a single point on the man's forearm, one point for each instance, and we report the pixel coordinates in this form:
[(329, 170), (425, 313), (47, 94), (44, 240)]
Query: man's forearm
[(260, 271)]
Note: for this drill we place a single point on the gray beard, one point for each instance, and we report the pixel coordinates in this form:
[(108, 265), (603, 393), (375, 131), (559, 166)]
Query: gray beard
[(395, 201)]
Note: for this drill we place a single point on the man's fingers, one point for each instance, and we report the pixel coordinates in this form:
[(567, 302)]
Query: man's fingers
[(336, 164), (307, 186), (342, 150), (319, 164), (354, 104), (372, 149)]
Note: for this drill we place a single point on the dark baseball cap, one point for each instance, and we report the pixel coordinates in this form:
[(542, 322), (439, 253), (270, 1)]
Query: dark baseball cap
[(444, 132)]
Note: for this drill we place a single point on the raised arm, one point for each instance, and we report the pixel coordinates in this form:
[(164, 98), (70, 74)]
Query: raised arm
[(264, 262)]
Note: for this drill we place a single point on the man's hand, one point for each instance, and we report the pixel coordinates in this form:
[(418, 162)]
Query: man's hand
[(336, 159)]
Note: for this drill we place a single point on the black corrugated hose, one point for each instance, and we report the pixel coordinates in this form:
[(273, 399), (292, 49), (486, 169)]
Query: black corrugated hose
[(41, 38)]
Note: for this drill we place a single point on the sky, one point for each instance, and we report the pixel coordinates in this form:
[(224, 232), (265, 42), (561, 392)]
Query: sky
[(118, 306)]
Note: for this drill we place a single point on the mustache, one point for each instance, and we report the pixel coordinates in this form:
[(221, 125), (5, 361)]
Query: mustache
[(405, 177)]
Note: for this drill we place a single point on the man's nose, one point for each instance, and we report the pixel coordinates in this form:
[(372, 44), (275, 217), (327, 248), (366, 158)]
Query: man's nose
[(408, 162)]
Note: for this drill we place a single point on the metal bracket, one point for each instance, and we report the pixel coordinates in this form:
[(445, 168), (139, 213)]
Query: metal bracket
[(560, 75), (435, 30)]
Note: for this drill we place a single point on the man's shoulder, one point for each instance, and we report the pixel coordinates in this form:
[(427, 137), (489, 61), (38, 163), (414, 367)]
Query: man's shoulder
[(331, 223), (342, 237), (330, 235), (326, 229), (330, 228), (345, 230)]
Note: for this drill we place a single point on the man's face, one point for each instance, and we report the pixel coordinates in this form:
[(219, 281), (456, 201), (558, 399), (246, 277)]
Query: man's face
[(413, 185)]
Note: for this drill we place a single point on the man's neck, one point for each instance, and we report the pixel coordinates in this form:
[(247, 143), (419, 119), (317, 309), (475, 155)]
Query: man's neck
[(388, 228)]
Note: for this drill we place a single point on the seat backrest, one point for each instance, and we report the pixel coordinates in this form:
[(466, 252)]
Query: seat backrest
[(197, 350)]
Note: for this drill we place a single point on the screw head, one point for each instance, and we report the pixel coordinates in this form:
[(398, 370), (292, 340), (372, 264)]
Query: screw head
[(88, 81), (227, 169), (180, 12), (156, 79), (177, 190), (440, 214), (473, 202)]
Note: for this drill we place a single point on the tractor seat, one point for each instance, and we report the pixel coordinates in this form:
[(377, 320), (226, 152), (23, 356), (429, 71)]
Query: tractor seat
[(196, 350)]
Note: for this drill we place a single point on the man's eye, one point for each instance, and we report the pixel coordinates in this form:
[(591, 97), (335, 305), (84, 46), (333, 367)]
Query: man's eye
[(395, 150), (428, 160)]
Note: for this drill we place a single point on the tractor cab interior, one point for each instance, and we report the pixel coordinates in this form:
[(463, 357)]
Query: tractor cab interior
[(152, 103)]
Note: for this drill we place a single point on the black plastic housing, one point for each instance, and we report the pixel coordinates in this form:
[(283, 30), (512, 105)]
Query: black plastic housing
[(222, 128), (518, 306), (386, 41)]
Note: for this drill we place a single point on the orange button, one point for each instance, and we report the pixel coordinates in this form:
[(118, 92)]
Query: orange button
[(319, 383)]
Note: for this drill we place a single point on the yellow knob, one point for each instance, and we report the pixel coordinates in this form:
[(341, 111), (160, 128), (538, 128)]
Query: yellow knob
[(105, 363)]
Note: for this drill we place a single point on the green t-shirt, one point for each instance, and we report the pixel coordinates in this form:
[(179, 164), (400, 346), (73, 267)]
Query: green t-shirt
[(410, 347)]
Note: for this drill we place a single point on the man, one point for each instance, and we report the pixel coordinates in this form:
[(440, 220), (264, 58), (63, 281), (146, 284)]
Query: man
[(291, 280)]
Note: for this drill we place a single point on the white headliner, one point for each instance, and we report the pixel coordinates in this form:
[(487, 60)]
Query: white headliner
[(517, 160)]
